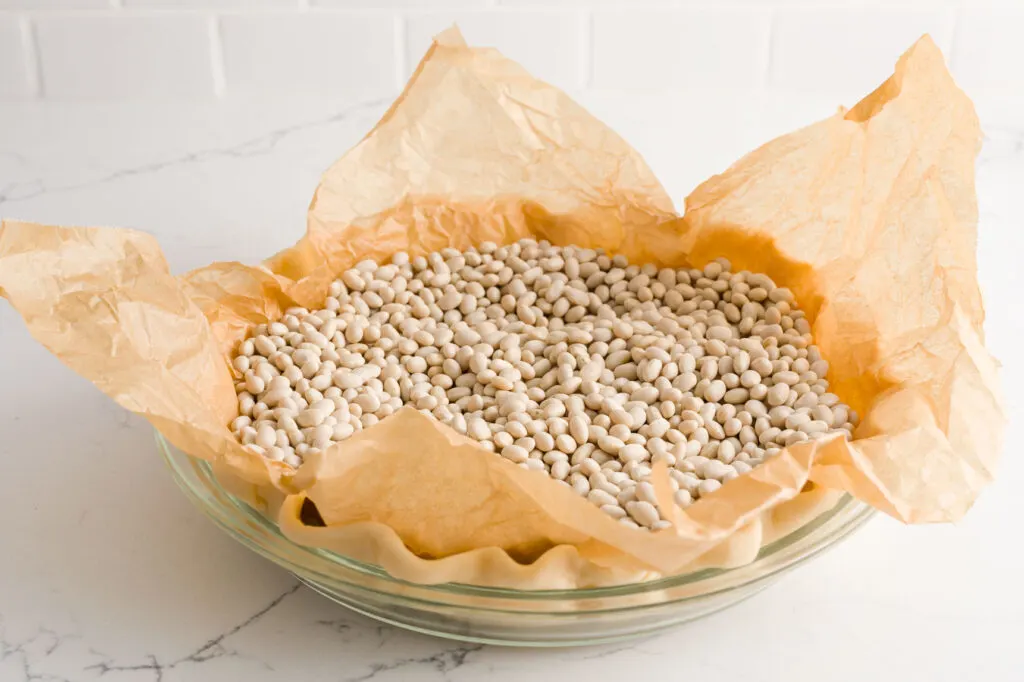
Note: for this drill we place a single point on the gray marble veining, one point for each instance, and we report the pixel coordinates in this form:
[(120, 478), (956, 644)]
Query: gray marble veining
[(106, 573)]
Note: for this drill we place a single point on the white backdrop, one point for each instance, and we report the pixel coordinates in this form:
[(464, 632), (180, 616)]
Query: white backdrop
[(195, 49), (208, 124)]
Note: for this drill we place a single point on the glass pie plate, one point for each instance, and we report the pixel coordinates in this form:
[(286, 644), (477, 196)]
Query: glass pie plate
[(548, 618)]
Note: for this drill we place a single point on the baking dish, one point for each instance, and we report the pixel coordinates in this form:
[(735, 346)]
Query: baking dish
[(548, 618)]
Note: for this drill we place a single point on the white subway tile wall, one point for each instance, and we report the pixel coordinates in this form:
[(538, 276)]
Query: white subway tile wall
[(16, 72), (849, 50), (56, 4), (212, 4), (546, 42), (111, 56), (348, 54), (988, 49), (399, 4), (722, 47), (143, 49)]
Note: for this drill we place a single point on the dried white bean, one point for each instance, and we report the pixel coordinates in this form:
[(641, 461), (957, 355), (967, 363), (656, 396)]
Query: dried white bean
[(559, 359)]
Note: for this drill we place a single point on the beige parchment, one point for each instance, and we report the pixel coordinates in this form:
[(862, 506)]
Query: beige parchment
[(869, 216)]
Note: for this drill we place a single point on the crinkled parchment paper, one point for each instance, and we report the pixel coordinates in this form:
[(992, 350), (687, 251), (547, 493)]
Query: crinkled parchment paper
[(869, 216)]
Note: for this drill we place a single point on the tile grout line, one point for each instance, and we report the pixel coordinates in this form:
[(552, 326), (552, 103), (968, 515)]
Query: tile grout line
[(766, 76), (953, 51), (952, 34), (399, 50), (586, 48), (33, 59), (217, 70)]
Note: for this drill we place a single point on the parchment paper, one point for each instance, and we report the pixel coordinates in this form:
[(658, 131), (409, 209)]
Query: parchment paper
[(869, 216)]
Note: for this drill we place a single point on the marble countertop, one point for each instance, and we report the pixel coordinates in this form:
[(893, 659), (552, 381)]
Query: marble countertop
[(107, 572)]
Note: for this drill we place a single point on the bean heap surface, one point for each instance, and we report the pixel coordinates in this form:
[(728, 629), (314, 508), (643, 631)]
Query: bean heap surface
[(559, 359)]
